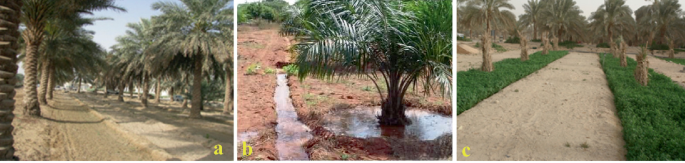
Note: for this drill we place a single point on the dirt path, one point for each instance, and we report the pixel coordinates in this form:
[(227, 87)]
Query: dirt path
[(468, 61), (567, 102), (74, 134), (167, 127), (670, 69)]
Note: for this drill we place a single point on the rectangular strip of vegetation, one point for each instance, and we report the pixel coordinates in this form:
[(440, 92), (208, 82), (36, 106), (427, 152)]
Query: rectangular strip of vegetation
[(474, 85), (674, 60), (653, 116)]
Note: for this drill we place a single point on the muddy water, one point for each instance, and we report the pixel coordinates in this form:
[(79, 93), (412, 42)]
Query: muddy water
[(292, 134), (361, 122)]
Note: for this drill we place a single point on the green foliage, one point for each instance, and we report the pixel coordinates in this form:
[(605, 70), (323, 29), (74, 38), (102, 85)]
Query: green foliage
[(603, 45), (536, 40), (463, 39), (513, 40), (656, 46), (252, 69), (212, 90), (291, 69), (499, 48), (270, 10), (269, 71), (674, 60), (652, 116), (474, 85)]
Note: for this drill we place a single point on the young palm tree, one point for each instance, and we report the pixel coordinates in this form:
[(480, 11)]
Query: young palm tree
[(488, 12), (380, 40), (35, 16), (533, 10), (11, 11), (194, 29)]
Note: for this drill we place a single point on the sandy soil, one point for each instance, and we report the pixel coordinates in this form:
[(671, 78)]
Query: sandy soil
[(469, 61), (312, 98), (547, 116), (256, 112), (67, 131), (166, 125)]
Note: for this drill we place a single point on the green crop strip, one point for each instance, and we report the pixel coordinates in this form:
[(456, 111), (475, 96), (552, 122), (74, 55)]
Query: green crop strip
[(474, 85), (653, 117)]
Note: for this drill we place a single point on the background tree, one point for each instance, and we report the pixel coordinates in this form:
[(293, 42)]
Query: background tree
[(202, 44), (488, 12), (533, 10)]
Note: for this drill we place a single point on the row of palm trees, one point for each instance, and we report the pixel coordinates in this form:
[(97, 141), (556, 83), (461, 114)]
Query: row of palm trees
[(186, 44), (612, 22)]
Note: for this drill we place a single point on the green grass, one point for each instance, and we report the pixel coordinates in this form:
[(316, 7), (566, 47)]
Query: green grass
[(463, 39), (567, 44), (499, 48), (252, 69), (653, 116), (474, 85), (674, 60)]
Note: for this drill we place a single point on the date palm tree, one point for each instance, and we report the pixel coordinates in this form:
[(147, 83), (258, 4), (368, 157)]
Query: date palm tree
[(488, 12), (132, 52), (379, 40), (613, 15), (36, 13), (563, 18), (661, 19), (195, 30), (11, 11), (533, 10)]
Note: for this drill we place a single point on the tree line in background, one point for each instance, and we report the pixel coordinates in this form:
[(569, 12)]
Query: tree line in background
[(657, 26)]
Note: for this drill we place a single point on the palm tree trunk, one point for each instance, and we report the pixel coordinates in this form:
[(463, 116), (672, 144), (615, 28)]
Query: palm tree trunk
[(487, 59), (158, 92), (535, 30), (121, 91), (131, 88), (671, 52), (524, 47), (228, 96), (545, 43), (31, 105), (641, 70), (196, 102), (624, 63), (392, 109), (8, 71), (146, 90), (78, 90), (45, 73), (51, 82)]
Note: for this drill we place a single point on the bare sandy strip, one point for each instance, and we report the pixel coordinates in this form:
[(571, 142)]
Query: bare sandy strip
[(534, 118), (466, 61)]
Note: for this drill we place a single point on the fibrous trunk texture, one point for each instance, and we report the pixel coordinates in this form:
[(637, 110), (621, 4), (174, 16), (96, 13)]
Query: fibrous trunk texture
[(121, 91), (31, 105), (146, 86), (545, 43), (158, 92), (641, 73), (555, 40), (45, 73), (524, 47), (624, 63), (392, 109), (9, 34), (228, 95), (51, 82), (196, 101)]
